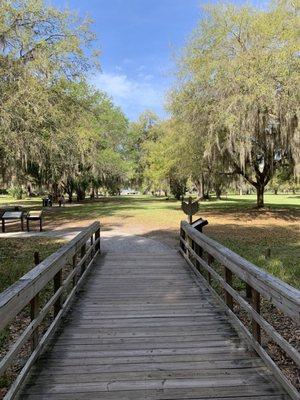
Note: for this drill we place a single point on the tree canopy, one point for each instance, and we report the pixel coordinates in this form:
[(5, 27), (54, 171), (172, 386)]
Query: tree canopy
[(56, 132), (234, 109), (238, 89)]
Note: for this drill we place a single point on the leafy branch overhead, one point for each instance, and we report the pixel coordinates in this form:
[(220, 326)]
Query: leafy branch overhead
[(238, 90), (55, 129)]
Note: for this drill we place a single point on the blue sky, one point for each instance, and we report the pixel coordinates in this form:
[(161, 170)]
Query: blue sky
[(138, 40)]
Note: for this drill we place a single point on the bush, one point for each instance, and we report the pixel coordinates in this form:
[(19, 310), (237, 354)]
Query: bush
[(16, 192)]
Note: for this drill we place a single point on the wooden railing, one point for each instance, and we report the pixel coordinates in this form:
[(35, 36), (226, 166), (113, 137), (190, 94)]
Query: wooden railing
[(207, 258), (67, 269)]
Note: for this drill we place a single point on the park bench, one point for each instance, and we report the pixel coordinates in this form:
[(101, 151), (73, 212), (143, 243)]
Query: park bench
[(34, 216), (12, 215)]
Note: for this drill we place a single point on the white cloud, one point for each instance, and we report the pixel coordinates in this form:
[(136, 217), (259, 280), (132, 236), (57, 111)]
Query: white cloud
[(133, 96)]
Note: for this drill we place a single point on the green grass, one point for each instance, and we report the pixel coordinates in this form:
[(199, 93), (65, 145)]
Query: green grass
[(16, 256), (234, 221)]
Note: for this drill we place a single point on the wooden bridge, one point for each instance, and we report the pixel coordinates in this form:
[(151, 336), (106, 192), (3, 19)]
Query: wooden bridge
[(133, 326)]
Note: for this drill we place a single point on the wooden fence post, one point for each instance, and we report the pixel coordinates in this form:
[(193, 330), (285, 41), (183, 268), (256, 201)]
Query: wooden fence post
[(97, 236), (82, 254), (35, 307), (181, 236), (34, 312), (190, 243), (36, 256), (57, 280), (210, 261), (255, 302), (74, 259), (248, 291), (228, 279), (93, 249)]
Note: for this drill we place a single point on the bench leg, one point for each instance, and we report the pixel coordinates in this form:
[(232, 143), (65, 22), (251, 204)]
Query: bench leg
[(27, 224), (22, 224), (41, 225), (3, 225)]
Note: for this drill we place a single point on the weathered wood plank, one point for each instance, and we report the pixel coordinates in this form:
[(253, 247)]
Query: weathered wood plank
[(148, 332)]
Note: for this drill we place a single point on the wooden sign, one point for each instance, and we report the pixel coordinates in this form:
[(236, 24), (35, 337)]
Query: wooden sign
[(12, 215), (190, 208)]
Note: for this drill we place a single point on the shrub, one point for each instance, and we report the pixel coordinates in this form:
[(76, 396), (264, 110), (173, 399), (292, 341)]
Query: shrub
[(16, 192)]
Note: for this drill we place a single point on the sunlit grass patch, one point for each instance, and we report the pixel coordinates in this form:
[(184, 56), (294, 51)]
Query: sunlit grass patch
[(17, 256)]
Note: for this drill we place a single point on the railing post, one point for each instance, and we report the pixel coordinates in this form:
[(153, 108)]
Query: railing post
[(82, 254), (210, 261), (35, 307), (182, 235), (228, 279), (36, 256), (197, 250), (248, 291), (34, 312), (97, 236), (190, 243), (255, 302), (74, 259), (92, 245), (57, 280)]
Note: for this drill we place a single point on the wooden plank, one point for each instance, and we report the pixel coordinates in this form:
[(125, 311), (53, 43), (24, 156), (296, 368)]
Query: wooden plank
[(197, 387), (244, 333), (157, 336), (58, 313), (183, 394), (48, 378)]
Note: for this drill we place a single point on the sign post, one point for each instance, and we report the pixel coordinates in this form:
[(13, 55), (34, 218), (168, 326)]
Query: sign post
[(190, 208)]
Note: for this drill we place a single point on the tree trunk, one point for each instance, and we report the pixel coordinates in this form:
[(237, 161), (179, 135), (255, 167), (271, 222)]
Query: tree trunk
[(199, 187), (29, 190), (199, 183), (55, 191), (260, 195), (218, 193), (80, 192)]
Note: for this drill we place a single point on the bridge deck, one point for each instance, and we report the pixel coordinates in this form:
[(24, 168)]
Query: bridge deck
[(141, 328)]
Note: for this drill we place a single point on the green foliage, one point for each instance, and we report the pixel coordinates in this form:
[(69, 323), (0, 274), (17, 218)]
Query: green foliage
[(238, 89), (53, 140), (16, 192), (142, 132)]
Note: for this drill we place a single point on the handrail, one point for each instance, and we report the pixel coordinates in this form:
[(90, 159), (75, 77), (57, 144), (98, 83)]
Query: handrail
[(85, 246), (201, 251)]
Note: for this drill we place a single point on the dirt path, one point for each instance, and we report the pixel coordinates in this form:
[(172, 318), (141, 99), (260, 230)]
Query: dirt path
[(112, 240)]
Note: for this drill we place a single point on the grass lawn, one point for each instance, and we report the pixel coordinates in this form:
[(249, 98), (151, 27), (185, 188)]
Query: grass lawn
[(16, 256), (233, 221)]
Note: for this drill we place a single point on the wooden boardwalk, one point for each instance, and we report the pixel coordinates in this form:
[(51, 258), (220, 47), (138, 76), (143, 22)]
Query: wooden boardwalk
[(143, 328)]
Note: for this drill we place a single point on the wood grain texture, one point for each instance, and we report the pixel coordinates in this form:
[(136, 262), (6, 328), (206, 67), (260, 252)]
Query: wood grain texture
[(142, 329)]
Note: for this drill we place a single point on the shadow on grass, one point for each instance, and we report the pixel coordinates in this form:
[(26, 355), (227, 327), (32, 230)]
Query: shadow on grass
[(252, 243), (237, 208)]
